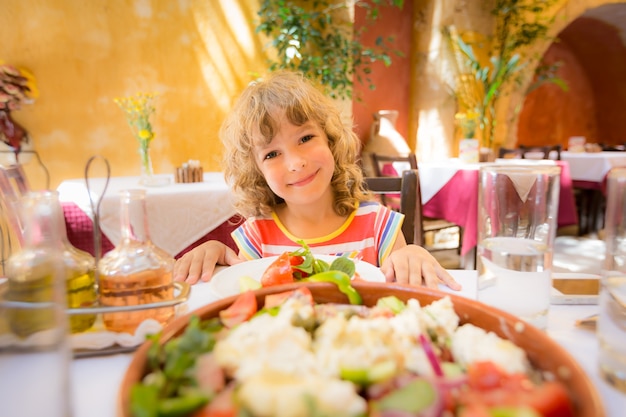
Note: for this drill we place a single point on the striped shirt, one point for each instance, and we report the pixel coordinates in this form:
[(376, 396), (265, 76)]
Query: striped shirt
[(369, 232)]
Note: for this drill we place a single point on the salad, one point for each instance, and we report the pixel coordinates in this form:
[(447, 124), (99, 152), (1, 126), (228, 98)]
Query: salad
[(302, 266), (293, 357)]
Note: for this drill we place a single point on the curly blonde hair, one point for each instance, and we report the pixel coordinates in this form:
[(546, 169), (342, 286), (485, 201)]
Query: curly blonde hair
[(255, 115)]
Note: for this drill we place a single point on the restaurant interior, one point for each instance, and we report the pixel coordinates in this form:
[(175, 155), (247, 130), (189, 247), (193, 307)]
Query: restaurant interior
[(190, 60)]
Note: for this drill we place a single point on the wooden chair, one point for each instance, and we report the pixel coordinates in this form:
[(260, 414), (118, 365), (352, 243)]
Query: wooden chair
[(508, 153), (384, 167), (542, 152), (421, 225), (408, 187)]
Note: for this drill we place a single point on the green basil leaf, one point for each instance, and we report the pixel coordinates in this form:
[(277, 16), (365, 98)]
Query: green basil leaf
[(343, 264)]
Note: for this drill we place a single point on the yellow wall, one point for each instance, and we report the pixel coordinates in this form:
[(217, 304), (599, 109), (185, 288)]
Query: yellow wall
[(198, 55)]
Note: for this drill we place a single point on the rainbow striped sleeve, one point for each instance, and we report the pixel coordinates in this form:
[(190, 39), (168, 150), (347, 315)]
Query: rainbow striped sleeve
[(387, 227)]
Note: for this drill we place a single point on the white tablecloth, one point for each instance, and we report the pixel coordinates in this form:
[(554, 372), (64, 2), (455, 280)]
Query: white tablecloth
[(178, 214), (95, 381), (592, 166), (434, 175)]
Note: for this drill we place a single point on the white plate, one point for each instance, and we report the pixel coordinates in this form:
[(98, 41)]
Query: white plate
[(226, 282)]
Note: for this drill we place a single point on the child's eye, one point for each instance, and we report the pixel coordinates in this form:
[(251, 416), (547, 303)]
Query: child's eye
[(306, 138), (271, 155)]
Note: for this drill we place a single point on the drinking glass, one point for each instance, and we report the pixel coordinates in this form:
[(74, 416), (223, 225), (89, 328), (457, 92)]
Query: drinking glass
[(517, 208), (612, 302)]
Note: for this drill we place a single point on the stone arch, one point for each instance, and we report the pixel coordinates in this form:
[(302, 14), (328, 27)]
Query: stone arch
[(604, 19)]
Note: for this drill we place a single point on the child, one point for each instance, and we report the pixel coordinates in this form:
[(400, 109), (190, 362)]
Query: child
[(293, 167)]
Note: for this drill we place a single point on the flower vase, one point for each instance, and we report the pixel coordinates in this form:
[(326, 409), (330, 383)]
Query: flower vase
[(468, 150), (148, 178)]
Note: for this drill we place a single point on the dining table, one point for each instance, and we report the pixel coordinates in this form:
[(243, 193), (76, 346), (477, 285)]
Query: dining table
[(449, 191), (180, 215), (589, 172), (589, 169), (95, 380)]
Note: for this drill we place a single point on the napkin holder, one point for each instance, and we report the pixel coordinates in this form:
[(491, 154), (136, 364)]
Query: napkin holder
[(190, 171)]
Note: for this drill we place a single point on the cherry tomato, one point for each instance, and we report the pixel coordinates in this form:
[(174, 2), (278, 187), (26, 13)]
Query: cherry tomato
[(296, 260), (240, 310)]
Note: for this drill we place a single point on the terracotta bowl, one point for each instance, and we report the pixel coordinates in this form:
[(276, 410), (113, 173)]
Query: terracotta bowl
[(544, 353)]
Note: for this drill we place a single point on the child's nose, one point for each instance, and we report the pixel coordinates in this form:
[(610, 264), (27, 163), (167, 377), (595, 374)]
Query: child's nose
[(296, 161)]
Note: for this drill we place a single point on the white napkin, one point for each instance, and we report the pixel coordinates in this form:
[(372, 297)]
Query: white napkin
[(101, 339), (523, 183)]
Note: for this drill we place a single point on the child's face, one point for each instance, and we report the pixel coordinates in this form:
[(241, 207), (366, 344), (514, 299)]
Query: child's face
[(297, 164)]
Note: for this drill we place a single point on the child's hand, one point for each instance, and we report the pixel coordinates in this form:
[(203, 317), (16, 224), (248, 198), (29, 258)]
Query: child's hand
[(199, 263), (413, 264)]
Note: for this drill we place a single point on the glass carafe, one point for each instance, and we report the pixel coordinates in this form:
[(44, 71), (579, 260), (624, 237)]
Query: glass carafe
[(136, 271), (28, 271)]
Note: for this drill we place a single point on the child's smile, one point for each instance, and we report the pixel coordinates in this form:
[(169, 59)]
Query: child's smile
[(304, 181)]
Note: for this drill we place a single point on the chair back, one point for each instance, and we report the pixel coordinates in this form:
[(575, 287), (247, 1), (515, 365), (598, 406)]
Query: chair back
[(392, 166), (541, 152), (384, 164), (508, 153), (408, 187)]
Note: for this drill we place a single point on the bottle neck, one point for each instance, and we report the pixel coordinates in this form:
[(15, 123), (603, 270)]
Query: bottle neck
[(133, 216)]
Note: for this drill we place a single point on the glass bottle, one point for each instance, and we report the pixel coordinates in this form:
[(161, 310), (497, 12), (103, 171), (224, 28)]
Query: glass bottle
[(136, 271), (28, 274), (33, 315)]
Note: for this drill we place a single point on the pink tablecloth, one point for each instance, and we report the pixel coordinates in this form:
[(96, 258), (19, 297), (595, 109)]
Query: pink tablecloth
[(80, 231), (457, 202)]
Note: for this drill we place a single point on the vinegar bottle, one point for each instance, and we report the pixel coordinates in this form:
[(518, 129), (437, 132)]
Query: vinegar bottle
[(136, 271)]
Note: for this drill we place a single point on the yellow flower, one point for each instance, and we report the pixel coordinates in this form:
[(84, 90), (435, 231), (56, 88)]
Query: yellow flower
[(145, 134), (138, 109), (468, 121)]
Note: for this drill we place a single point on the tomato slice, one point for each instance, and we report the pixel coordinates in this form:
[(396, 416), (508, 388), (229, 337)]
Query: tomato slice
[(274, 300), (223, 405), (240, 310), (279, 272), (490, 386)]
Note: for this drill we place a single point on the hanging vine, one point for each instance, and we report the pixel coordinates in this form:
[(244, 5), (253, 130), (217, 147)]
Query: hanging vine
[(315, 38)]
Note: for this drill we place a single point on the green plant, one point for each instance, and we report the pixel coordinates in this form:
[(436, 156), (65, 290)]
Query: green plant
[(315, 37), (519, 23)]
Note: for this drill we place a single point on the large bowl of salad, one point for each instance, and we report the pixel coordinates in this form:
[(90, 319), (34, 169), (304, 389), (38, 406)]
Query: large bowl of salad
[(309, 349)]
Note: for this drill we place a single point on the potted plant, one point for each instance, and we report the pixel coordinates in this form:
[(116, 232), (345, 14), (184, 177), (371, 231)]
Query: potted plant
[(479, 86), (469, 146)]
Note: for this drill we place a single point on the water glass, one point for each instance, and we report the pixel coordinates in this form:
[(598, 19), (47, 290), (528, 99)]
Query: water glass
[(517, 209), (612, 303)]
